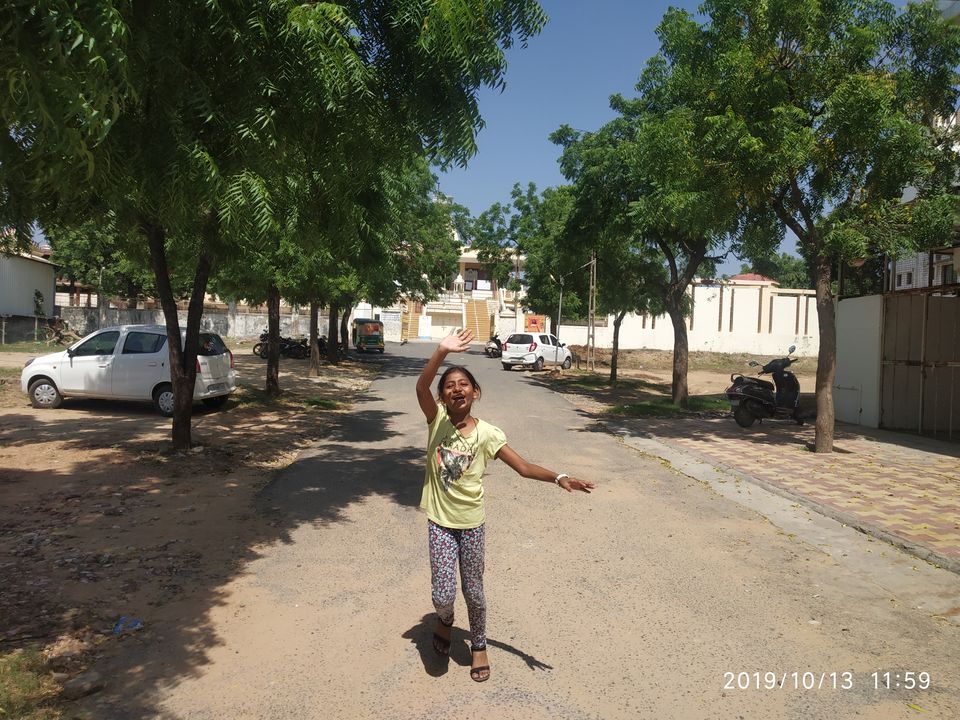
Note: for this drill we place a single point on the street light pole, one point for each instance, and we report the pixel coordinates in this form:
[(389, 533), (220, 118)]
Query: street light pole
[(556, 332)]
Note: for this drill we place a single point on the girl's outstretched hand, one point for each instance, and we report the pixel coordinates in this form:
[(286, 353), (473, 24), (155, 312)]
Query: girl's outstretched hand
[(570, 484), (457, 342)]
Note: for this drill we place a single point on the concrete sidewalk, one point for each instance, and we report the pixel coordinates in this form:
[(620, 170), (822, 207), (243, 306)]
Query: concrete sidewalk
[(898, 487)]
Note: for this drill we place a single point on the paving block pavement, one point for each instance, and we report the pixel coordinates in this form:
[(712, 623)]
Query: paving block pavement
[(899, 487)]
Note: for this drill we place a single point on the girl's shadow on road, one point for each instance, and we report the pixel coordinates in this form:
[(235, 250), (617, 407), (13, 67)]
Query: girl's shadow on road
[(421, 635)]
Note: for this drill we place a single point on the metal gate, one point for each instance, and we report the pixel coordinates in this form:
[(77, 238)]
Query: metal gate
[(920, 381)]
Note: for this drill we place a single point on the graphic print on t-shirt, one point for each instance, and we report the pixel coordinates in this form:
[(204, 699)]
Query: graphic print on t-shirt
[(452, 463)]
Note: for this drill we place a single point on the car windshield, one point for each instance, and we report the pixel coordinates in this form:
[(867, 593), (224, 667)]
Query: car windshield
[(211, 344), (520, 339)]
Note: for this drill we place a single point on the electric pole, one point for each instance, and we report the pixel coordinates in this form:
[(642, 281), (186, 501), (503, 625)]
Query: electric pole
[(592, 315)]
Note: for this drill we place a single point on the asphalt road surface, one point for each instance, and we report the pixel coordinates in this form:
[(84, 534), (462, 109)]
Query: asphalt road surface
[(653, 597)]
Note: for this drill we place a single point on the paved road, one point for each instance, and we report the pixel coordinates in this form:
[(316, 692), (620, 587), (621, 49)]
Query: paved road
[(635, 601)]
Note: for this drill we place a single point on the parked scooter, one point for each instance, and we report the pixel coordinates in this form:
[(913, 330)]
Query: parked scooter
[(752, 398), (493, 348)]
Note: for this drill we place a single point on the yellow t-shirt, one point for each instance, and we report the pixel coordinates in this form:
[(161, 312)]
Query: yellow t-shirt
[(452, 486)]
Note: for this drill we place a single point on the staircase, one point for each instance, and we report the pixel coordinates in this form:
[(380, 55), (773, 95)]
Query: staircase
[(410, 322), (479, 320)]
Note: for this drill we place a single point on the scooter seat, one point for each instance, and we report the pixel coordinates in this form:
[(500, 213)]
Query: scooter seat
[(760, 382)]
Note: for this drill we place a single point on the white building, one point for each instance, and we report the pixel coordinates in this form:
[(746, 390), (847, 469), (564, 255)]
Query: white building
[(940, 266), (26, 282), (744, 314)]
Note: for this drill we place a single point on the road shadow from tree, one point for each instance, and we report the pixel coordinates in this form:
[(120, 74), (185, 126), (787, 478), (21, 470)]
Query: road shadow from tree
[(341, 471), (133, 530), (123, 527)]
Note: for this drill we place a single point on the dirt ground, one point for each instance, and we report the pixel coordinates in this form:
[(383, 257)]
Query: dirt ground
[(647, 374), (100, 521), (98, 518)]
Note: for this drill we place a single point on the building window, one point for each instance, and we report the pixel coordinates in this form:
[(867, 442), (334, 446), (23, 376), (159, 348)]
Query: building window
[(899, 279), (948, 276), (909, 278)]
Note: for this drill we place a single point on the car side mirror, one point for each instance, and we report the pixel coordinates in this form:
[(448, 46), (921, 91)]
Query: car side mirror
[(70, 352), (563, 344), (791, 349)]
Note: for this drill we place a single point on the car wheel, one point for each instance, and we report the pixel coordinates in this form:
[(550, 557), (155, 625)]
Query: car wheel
[(506, 366), (216, 402), (44, 394), (163, 399), (380, 350), (538, 365), (744, 417), (567, 363)]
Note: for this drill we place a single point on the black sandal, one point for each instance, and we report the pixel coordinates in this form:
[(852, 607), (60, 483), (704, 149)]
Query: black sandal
[(441, 645), (476, 672)]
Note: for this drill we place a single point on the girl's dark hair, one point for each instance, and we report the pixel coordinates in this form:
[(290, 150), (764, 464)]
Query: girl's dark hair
[(460, 369)]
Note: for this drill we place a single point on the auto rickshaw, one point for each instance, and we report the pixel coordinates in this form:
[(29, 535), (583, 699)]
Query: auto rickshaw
[(367, 334)]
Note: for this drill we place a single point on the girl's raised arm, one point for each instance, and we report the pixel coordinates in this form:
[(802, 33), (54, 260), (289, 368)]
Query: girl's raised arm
[(535, 472), (458, 342)]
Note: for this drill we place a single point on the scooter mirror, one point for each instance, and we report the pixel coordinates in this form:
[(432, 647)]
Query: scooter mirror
[(753, 363), (791, 349)]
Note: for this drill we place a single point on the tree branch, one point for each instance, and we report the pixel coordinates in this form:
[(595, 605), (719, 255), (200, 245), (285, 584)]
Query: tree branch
[(669, 255), (797, 194)]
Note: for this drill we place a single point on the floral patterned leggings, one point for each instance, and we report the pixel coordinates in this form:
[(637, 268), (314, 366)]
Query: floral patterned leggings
[(447, 546)]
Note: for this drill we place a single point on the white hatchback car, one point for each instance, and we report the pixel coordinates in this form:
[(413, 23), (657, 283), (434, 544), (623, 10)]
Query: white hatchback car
[(128, 362), (535, 350)]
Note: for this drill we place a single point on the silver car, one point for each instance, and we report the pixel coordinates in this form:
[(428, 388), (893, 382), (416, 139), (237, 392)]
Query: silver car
[(128, 362), (534, 350)]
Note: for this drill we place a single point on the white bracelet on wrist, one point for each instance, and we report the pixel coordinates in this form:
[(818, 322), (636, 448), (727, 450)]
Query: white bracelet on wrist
[(559, 477)]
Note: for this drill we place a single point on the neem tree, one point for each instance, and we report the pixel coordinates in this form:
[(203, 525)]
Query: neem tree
[(646, 202), (822, 113), (172, 111), (531, 226), (63, 81)]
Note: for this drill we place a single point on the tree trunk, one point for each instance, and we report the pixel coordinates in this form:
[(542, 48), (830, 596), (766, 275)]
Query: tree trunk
[(314, 370), (679, 392), (344, 326), (617, 321), (273, 352), (333, 352), (182, 357), (826, 358)]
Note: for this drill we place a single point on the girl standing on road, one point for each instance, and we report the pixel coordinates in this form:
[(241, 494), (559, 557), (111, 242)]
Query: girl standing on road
[(458, 449)]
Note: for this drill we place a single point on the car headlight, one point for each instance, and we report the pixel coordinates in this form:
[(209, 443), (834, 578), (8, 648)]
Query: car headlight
[(29, 361)]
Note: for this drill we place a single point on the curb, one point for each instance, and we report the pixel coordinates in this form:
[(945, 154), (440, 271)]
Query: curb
[(664, 450)]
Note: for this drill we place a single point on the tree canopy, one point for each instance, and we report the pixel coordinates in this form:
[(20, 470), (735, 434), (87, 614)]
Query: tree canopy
[(820, 114), (204, 127)]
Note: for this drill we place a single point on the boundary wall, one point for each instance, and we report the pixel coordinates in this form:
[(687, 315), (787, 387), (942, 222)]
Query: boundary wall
[(760, 320), (85, 320)]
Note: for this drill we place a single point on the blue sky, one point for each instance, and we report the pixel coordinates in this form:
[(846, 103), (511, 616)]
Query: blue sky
[(588, 51)]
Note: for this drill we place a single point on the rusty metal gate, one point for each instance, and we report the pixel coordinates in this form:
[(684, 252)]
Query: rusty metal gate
[(920, 381)]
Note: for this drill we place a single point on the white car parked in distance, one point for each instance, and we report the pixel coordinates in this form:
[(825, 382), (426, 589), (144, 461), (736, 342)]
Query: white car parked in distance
[(535, 350), (128, 362)]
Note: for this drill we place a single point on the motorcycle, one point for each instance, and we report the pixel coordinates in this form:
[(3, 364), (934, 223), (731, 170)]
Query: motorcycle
[(290, 348), (493, 348), (322, 345), (753, 398)]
